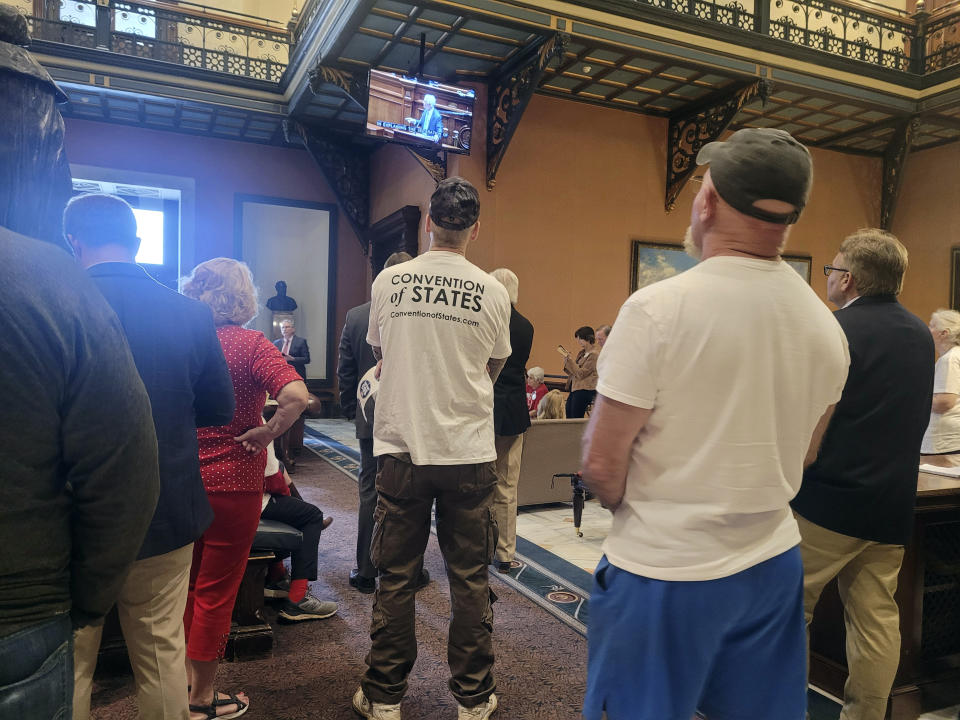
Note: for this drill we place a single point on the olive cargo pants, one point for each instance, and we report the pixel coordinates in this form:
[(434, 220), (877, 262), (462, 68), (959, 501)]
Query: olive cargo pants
[(467, 535)]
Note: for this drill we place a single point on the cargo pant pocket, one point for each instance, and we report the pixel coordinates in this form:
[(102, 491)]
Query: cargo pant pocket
[(376, 540), (493, 536), (487, 618)]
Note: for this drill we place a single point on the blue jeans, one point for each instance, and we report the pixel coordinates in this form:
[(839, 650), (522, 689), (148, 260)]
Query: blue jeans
[(36, 672)]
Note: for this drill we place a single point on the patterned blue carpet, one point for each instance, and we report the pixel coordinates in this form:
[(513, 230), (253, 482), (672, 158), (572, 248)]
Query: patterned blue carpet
[(559, 587)]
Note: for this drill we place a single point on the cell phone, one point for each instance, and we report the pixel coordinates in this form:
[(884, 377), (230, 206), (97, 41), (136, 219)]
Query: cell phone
[(561, 350)]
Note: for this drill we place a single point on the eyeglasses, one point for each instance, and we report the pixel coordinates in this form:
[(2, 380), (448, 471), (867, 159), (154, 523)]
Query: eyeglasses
[(828, 268)]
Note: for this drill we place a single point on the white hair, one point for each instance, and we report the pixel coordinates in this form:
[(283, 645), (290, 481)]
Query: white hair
[(432, 99), (536, 373), (287, 321), (509, 280), (948, 320)]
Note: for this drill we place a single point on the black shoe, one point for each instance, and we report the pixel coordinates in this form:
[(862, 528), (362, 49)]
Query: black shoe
[(423, 580), (504, 567), (363, 584)]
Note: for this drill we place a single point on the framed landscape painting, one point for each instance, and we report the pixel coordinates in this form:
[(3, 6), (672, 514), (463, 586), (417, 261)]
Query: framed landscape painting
[(800, 263), (652, 261)]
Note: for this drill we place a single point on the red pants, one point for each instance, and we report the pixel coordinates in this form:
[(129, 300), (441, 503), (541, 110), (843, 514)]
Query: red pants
[(219, 560)]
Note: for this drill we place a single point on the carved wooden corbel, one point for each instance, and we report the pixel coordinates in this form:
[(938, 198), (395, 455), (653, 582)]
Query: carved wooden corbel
[(509, 94), (894, 159), (347, 169), (697, 126), (433, 161)]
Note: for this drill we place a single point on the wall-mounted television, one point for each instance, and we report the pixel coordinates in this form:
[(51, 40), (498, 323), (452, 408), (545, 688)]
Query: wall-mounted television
[(424, 113)]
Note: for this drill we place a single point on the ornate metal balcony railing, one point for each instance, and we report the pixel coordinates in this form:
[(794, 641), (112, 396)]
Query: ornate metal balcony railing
[(855, 29), (194, 36), (243, 46)]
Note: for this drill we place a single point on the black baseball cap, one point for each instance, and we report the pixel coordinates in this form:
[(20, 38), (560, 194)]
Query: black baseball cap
[(760, 164), (455, 204)]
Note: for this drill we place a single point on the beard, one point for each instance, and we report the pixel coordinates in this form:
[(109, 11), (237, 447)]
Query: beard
[(690, 245)]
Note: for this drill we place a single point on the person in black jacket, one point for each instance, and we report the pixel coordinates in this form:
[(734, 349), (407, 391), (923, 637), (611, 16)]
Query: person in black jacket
[(78, 450), (356, 358), (510, 420), (175, 347), (855, 506)]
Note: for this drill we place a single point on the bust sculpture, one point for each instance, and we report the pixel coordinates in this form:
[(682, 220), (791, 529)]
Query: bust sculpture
[(281, 302)]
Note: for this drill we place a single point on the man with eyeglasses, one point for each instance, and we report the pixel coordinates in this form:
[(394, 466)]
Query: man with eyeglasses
[(855, 507), (710, 393)]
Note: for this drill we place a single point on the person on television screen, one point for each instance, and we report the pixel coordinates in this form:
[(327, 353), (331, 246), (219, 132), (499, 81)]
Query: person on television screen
[(430, 123)]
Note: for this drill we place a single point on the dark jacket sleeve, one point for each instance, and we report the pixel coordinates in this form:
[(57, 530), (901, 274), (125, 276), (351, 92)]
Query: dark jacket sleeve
[(214, 400), (347, 374), (304, 358), (110, 459)]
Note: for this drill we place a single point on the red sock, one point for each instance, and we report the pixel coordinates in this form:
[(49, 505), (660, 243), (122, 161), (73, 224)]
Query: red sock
[(277, 572), (298, 591)]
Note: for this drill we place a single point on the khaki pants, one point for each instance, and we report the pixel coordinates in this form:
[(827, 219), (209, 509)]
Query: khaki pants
[(509, 450), (866, 575), (467, 535), (150, 607)]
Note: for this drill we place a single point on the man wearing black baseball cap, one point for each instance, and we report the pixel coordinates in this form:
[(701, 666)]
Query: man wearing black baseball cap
[(710, 394), (441, 326)]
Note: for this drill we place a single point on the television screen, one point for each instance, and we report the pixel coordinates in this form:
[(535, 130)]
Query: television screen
[(427, 113)]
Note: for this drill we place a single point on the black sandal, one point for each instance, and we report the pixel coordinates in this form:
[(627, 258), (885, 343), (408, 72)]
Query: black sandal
[(211, 710)]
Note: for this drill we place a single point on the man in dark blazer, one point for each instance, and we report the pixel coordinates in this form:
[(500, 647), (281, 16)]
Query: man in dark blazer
[(177, 353), (855, 506), (294, 348), (356, 358), (510, 420)]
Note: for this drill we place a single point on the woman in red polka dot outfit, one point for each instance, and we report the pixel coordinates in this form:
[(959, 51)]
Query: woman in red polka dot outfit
[(232, 461)]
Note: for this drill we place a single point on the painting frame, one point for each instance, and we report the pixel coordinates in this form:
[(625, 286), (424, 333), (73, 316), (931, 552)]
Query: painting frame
[(640, 256), (655, 260), (805, 260), (955, 278)]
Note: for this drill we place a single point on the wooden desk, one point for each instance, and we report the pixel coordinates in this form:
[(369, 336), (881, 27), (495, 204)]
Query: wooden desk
[(929, 598)]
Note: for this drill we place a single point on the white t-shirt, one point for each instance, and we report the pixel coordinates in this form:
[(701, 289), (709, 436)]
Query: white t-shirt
[(438, 319), (738, 359), (943, 432)]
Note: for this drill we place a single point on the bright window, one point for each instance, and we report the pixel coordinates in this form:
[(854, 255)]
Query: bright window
[(150, 230)]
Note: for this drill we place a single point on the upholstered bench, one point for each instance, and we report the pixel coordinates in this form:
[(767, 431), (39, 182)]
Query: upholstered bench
[(250, 633), (549, 447)]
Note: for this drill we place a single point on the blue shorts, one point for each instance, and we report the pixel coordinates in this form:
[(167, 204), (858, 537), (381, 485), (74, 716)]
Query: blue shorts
[(732, 649)]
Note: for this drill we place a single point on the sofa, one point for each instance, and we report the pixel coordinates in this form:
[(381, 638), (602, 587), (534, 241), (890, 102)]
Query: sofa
[(549, 447)]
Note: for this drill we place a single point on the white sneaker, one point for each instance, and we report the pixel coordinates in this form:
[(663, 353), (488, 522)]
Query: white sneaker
[(373, 710), (479, 712)]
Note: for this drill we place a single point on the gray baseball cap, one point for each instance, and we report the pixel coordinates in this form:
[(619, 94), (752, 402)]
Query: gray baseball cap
[(455, 204), (760, 164)]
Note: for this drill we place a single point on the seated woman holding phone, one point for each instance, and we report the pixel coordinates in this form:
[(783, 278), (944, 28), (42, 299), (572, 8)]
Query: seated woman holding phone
[(582, 372)]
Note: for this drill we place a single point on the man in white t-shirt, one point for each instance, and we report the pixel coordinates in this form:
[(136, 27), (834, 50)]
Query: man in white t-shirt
[(441, 326), (709, 396)]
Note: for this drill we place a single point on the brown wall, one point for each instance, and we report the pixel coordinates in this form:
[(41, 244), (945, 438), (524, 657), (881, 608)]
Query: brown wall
[(577, 185), (926, 222), (221, 169)]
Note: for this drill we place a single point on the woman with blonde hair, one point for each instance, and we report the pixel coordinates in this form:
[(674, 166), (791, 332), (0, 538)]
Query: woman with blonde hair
[(941, 442), (552, 407), (232, 462)]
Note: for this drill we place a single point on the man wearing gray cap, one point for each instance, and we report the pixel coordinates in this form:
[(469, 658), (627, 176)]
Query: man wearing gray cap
[(441, 326), (711, 393)]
